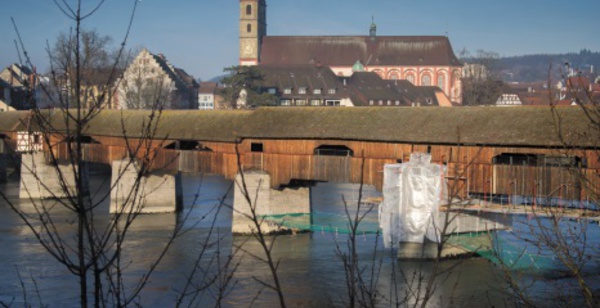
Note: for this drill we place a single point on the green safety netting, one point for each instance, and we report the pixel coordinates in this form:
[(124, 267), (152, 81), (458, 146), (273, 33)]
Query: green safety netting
[(503, 251), (323, 222)]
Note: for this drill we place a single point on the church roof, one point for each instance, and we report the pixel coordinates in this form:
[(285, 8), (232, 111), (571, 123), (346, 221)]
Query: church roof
[(346, 50)]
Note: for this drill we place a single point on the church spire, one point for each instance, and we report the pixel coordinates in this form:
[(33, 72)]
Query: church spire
[(373, 29)]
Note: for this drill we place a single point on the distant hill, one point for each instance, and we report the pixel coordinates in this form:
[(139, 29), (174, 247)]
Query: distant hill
[(218, 78), (532, 68)]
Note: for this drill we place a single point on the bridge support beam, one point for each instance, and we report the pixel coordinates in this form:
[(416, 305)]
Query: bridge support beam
[(266, 202), (158, 192), (40, 180)]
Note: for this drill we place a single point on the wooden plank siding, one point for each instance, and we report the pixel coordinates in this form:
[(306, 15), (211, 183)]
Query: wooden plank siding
[(470, 169)]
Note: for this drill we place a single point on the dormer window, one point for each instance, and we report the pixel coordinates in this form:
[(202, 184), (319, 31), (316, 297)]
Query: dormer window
[(331, 91), (371, 102), (302, 90), (287, 91), (317, 91)]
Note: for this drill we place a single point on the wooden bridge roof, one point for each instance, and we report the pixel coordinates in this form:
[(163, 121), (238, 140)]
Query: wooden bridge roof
[(511, 126), (519, 126), (220, 126)]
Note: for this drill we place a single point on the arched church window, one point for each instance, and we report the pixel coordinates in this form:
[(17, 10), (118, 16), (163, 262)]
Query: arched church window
[(248, 28), (441, 81), (248, 9), (426, 80), (411, 78)]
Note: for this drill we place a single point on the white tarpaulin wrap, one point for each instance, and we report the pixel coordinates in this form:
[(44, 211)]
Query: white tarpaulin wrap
[(412, 193)]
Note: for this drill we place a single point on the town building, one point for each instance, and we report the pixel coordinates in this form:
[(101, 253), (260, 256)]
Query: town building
[(304, 85), (310, 85), (19, 87), (150, 81), (4, 95), (206, 95), (422, 60)]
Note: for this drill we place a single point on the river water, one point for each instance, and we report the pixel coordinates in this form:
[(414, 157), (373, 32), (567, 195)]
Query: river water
[(310, 269)]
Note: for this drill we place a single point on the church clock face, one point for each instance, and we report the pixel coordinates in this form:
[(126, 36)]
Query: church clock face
[(248, 50)]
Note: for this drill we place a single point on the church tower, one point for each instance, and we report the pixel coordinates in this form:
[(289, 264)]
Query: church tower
[(253, 27)]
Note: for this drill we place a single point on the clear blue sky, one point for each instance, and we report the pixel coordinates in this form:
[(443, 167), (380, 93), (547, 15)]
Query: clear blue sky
[(200, 36)]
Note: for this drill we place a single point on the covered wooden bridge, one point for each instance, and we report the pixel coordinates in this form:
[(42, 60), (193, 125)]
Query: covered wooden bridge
[(487, 150)]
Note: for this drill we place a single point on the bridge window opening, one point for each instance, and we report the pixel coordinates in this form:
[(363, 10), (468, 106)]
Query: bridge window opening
[(563, 161), (539, 160), (428, 149), (187, 145), (82, 139), (256, 147), (516, 159), (334, 150)]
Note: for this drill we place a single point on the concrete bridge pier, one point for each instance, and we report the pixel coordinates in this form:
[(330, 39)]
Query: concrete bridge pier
[(159, 192), (266, 201), (475, 225), (42, 180)]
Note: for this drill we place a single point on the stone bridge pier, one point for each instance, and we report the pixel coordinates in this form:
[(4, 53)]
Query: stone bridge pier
[(266, 201), (43, 180), (158, 192)]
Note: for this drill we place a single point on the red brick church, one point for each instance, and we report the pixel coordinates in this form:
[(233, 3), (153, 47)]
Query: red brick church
[(422, 60)]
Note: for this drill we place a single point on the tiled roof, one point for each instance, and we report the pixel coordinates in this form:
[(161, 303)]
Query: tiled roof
[(368, 86), (208, 87), (361, 87), (309, 77), (182, 80), (346, 50)]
